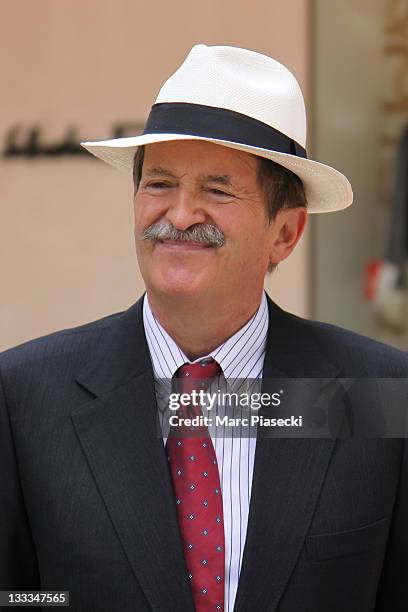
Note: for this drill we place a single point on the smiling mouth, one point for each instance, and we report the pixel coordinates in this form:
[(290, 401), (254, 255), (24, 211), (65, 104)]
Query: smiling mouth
[(180, 245)]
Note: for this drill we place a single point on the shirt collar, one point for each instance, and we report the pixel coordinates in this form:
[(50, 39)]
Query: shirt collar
[(241, 356)]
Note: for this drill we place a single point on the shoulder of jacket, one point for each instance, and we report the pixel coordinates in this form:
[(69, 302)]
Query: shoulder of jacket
[(56, 343), (350, 350)]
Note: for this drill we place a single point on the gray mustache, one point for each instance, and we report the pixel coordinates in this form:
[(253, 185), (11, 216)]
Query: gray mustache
[(200, 232)]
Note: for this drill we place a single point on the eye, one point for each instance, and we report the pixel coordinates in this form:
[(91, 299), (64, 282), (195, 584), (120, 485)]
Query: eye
[(158, 185), (219, 192)]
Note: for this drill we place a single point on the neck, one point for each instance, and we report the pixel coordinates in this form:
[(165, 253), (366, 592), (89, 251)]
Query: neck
[(199, 326)]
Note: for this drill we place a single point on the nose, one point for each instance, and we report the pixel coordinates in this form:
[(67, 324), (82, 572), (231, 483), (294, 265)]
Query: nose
[(185, 210)]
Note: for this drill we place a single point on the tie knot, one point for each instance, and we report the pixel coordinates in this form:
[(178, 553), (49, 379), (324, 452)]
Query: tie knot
[(197, 375), (202, 369)]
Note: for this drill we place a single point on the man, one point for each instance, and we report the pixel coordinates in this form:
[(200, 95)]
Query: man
[(93, 499)]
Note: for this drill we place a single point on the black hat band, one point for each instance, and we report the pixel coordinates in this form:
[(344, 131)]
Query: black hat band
[(220, 124)]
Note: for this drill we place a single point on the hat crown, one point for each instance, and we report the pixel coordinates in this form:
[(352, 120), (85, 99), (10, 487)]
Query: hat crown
[(243, 81)]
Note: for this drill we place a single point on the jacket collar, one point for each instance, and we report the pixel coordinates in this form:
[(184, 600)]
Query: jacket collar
[(122, 350)]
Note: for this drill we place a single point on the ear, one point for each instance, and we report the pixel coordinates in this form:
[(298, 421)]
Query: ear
[(287, 229)]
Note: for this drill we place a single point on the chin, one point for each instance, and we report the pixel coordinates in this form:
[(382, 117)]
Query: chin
[(180, 283)]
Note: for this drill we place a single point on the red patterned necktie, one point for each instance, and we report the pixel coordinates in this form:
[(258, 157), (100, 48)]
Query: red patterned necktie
[(196, 484)]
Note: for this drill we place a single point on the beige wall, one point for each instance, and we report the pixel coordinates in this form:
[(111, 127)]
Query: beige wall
[(66, 248)]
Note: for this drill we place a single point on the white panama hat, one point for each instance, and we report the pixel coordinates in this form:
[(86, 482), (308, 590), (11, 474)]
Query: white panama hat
[(239, 99)]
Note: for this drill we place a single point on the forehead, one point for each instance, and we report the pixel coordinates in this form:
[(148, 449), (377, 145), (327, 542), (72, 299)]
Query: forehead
[(200, 158)]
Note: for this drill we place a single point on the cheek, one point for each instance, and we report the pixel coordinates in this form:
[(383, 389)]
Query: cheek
[(255, 248), (147, 211), (138, 211), (142, 220)]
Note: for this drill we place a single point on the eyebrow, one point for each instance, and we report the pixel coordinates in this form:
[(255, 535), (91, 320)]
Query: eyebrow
[(222, 179), (159, 170)]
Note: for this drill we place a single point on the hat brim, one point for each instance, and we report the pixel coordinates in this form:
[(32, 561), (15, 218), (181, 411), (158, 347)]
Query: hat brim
[(326, 189)]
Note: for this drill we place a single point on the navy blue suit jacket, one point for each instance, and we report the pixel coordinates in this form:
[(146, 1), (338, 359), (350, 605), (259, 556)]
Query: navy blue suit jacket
[(86, 501)]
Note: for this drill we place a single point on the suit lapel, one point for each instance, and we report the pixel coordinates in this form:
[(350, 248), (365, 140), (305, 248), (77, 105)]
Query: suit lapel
[(118, 431), (288, 474)]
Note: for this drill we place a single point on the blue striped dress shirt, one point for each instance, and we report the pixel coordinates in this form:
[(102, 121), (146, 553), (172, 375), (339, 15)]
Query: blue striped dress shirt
[(241, 356)]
